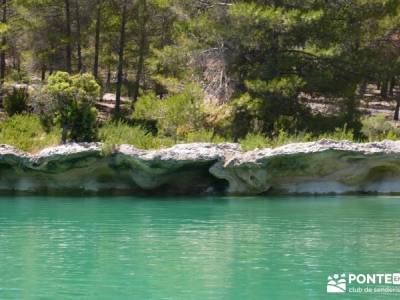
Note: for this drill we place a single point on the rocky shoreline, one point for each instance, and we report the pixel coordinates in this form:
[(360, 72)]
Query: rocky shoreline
[(323, 167)]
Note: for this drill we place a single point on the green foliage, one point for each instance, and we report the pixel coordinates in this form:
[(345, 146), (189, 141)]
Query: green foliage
[(117, 133), (378, 128), (254, 141), (339, 134), (25, 132), (81, 86), (204, 136), (245, 116), (18, 76), (69, 101), (286, 86), (147, 107), (252, 114), (262, 56), (259, 141), (16, 102), (176, 115), (284, 138)]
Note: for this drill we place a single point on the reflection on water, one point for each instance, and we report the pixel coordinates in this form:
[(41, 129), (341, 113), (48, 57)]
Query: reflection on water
[(212, 248)]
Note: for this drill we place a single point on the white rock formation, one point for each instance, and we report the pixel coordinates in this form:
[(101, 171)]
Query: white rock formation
[(324, 167)]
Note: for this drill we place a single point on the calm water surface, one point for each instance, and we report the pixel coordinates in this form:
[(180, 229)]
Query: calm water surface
[(200, 248)]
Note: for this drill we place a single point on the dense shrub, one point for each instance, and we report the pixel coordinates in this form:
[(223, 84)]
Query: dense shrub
[(339, 134), (18, 76), (254, 141), (16, 101), (26, 133), (177, 115), (117, 133), (378, 128), (204, 136), (69, 101), (245, 117)]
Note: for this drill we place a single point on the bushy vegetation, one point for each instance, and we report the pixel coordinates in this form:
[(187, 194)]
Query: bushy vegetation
[(378, 128), (255, 141), (26, 132), (259, 141), (16, 101), (201, 71), (117, 133), (177, 115), (204, 136), (68, 101)]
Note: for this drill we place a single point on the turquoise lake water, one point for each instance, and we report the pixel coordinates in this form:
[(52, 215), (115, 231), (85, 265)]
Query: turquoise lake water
[(193, 248)]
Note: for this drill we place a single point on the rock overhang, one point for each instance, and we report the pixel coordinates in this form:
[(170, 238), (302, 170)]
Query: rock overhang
[(322, 167)]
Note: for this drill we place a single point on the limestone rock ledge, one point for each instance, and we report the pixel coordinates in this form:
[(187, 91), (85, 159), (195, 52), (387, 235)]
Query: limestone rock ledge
[(323, 167)]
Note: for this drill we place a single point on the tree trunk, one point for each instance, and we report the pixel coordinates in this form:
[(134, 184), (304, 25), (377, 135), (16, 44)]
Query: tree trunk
[(396, 111), (384, 89), (350, 110), (64, 133), (142, 48), (68, 51), (120, 59), (3, 45), (392, 86), (363, 88), (43, 77), (274, 68), (97, 41), (159, 89), (78, 35), (108, 81), (18, 64)]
